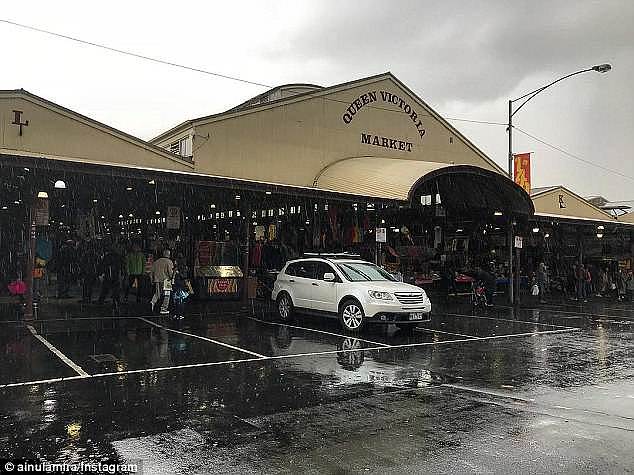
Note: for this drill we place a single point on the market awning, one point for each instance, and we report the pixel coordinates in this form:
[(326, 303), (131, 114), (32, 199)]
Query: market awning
[(462, 187)]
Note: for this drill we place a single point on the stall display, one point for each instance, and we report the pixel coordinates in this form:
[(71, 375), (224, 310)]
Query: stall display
[(217, 274)]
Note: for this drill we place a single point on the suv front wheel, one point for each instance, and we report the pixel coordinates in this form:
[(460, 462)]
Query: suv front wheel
[(285, 307), (351, 316)]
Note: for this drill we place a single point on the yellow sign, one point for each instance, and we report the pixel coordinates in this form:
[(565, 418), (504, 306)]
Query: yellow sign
[(522, 175)]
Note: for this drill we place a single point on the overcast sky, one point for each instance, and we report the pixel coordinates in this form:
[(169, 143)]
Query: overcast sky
[(464, 58)]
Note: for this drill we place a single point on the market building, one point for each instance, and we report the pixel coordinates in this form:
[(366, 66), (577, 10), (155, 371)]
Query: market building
[(298, 168)]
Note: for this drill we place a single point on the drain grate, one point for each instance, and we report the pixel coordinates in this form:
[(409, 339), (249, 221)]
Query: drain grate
[(104, 358)]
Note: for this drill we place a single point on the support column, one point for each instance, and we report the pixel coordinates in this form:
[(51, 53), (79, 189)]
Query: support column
[(511, 241), (30, 259), (246, 245)]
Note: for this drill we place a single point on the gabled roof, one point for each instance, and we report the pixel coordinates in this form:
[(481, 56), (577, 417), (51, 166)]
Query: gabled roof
[(325, 91), (544, 189), (593, 212), (29, 96)]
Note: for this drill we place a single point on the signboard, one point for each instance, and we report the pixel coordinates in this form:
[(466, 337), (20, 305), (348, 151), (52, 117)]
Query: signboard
[(223, 286), (522, 175), (41, 212), (518, 242), (381, 234), (173, 217)]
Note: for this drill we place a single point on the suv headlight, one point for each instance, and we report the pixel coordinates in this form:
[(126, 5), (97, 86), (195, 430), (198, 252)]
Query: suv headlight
[(375, 294)]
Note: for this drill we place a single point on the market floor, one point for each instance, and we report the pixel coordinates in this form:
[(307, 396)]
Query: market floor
[(546, 388)]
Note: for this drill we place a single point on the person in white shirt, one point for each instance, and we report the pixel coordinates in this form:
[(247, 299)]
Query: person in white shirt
[(162, 277)]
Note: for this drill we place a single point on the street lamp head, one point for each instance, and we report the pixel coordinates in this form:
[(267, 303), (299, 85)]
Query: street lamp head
[(602, 68)]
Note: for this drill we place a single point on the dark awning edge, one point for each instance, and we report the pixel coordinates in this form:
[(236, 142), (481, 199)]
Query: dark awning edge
[(514, 197)]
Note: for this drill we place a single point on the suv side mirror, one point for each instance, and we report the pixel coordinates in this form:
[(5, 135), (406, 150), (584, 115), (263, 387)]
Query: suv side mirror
[(329, 277)]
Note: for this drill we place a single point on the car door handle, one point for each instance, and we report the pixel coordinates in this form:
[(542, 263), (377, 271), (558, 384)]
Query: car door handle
[(315, 284)]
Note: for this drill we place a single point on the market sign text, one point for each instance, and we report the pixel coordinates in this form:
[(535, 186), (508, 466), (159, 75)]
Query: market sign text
[(372, 96), (386, 142)]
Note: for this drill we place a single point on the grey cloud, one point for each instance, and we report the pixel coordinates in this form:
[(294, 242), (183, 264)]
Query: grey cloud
[(470, 51)]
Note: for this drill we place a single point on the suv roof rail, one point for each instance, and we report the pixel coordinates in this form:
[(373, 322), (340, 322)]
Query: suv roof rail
[(332, 255)]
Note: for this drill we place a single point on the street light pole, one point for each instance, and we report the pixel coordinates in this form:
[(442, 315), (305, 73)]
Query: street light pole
[(601, 68), (510, 225)]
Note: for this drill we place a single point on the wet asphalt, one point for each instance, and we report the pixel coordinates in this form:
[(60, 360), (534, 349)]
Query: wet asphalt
[(542, 389)]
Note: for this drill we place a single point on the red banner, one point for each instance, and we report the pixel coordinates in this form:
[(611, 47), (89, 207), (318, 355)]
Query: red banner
[(522, 175)]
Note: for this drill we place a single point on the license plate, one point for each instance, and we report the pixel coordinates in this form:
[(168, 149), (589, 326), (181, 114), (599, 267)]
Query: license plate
[(416, 316)]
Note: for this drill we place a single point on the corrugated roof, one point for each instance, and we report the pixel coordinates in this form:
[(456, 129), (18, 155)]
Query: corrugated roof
[(374, 176)]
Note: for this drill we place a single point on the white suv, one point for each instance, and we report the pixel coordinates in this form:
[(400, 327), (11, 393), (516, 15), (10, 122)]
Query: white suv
[(356, 291)]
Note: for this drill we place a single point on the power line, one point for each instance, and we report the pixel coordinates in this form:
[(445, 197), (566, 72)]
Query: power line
[(129, 53), (487, 122), (572, 155), (198, 70), (255, 83)]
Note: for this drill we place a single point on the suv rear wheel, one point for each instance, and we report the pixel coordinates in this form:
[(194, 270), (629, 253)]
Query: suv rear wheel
[(351, 316), (285, 307)]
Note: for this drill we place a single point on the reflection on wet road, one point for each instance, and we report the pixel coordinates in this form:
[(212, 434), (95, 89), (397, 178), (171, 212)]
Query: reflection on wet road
[(465, 395)]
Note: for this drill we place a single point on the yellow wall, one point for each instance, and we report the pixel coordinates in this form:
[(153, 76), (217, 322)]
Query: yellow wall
[(58, 133), (291, 143), (576, 207)]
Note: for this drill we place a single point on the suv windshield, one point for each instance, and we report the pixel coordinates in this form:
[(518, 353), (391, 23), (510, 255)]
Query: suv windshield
[(364, 271)]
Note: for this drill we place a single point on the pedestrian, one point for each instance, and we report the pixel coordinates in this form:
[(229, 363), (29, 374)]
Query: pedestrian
[(542, 281), (486, 276), (603, 283), (580, 283), (619, 280), (629, 285), (135, 265), (588, 282), (180, 294), (112, 270), (88, 270), (64, 266), (162, 277)]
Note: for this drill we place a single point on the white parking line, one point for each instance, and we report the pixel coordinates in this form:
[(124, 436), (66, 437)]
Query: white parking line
[(580, 314), (58, 353), (317, 331), (281, 357), (545, 307), (203, 338), (431, 330), (506, 320)]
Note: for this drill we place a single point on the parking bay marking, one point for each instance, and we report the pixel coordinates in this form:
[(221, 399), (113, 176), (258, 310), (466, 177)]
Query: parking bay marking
[(203, 338), (578, 313), (318, 331), (78, 369), (431, 330), (280, 357), (508, 320)]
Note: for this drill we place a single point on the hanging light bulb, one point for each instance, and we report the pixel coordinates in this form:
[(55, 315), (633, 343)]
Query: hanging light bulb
[(60, 185), (42, 194)]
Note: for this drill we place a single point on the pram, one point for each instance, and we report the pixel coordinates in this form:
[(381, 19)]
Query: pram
[(478, 294)]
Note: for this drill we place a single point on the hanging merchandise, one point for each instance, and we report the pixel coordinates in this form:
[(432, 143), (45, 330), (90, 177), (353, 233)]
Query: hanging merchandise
[(437, 236), (333, 221), (256, 255), (259, 232), (316, 237), (272, 232), (405, 232), (44, 249)]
